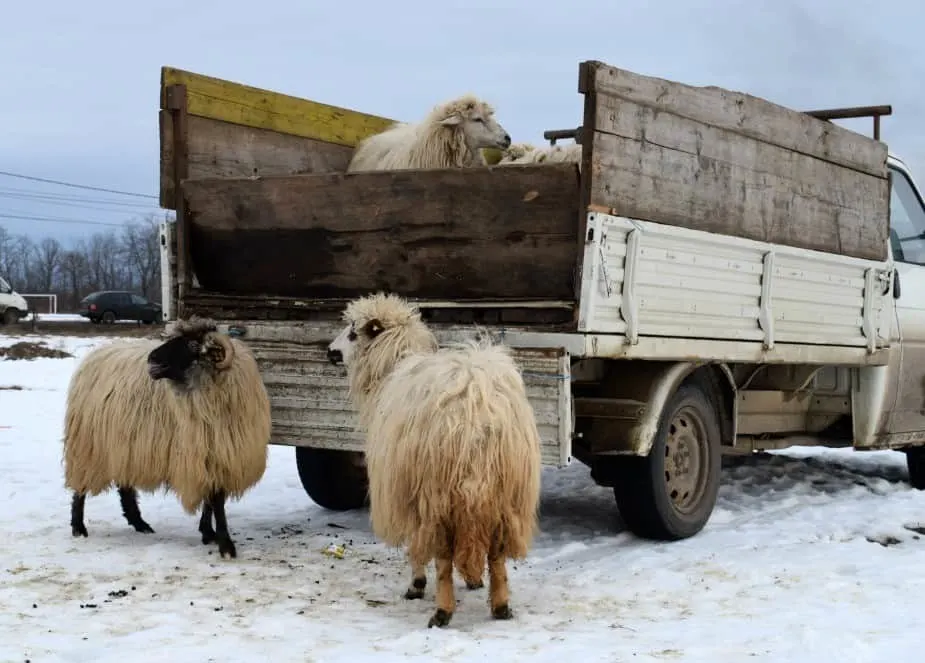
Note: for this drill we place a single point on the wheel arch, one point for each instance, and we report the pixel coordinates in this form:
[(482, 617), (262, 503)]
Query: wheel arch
[(651, 385)]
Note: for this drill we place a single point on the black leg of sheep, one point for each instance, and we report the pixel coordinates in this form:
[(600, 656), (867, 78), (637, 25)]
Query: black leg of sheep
[(77, 515), (205, 524), (128, 497), (225, 544)]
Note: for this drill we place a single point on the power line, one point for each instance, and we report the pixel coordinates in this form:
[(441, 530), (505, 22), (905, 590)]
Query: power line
[(77, 186), (116, 208), (49, 219), (17, 192)]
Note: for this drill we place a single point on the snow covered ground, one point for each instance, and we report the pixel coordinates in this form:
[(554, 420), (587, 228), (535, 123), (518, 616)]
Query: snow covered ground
[(783, 572)]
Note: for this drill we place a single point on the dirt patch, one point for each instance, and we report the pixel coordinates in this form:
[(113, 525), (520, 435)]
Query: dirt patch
[(82, 329), (28, 350)]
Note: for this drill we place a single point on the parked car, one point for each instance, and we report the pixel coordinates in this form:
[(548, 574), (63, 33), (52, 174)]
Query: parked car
[(13, 306), (111, 305)]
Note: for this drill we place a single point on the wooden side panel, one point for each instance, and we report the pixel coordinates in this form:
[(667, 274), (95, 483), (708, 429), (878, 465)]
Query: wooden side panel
[(221, 149), (235, 130), (248, 106), (741, 113), (657, 162), (495, 233)]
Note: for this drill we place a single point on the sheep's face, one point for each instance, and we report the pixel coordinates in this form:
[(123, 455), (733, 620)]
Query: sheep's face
[(343, 349), (476, 120), (186, 357)]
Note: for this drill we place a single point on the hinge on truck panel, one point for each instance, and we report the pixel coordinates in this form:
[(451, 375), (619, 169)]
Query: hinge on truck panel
[(871, 276), (608, 287), (629, 306), (765, 314)]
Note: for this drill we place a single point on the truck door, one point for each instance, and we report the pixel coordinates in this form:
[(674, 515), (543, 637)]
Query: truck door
[(907, 241)]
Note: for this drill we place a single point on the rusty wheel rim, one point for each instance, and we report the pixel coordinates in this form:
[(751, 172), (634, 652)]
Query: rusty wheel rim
[(686, 459)]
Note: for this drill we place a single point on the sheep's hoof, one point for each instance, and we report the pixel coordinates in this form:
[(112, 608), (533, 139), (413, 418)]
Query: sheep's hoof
[(478, 584), (208, 537), (502, 611), (440, 619), (143, 527), (79, 530), (227, 548), (416, 591)]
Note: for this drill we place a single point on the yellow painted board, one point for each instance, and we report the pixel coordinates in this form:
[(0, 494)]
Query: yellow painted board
[(236, 103)]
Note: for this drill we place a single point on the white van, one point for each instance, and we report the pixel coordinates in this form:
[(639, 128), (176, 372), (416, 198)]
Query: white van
[(13, 306)]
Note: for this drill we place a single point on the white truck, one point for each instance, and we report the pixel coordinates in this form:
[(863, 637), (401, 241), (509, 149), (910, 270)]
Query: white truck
[(13, 306), (720, 274)]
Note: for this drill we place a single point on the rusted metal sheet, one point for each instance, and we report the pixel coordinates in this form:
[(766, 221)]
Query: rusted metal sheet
[(310, 406)]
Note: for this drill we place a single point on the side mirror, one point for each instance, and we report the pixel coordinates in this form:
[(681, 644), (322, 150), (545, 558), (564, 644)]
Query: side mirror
[(896, 287)]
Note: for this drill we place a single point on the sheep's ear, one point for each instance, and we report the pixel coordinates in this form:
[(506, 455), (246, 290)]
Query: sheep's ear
[(373, 328), (451, 121)]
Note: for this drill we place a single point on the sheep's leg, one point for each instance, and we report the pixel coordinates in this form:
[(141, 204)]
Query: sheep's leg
[(205, 524), (418, 579), (446, 599), (498, 590), (128, 497), (225, 544), (77, 514)]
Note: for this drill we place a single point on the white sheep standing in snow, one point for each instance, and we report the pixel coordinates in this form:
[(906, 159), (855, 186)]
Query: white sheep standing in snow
[(452, 448), (452, 135)]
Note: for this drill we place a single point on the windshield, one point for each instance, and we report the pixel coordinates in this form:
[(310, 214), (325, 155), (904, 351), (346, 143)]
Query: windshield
[(4, 286)]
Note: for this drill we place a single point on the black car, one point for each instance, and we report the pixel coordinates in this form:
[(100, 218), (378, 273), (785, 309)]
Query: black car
[(111, 305)]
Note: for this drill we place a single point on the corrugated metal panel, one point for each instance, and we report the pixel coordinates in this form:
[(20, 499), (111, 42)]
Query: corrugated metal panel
[(310, 406), (648, 279)]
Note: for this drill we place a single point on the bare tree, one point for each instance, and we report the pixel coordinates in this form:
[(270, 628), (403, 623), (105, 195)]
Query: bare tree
[(124, 260)]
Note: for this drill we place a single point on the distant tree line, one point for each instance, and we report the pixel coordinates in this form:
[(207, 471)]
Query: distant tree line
[(123, 259)]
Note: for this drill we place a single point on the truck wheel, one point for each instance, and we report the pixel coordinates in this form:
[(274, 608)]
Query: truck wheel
[(670, 494), (10, 316), (335, 480), (915, 461)]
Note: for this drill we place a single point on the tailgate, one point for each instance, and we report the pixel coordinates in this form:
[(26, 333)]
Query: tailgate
[(309, 399)]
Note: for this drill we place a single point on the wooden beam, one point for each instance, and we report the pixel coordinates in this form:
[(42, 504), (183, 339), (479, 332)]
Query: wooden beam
[(741, 113), (253, 107), (221, 149), (479, 233), (667, 168)]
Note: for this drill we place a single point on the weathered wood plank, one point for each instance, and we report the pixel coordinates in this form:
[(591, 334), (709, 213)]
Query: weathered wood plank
[(253, 107), (741, 113), (669, 169), (484, 233), (551, 315), (221, 149)]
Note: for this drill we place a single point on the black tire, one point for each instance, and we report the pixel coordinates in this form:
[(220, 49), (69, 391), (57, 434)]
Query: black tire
[(108, 317), (915, 461), (11, 316), (656, 501), (333, 479)]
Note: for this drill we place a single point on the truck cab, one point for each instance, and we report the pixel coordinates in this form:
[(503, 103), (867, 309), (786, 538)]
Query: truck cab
[(901, 420), (13, 306)]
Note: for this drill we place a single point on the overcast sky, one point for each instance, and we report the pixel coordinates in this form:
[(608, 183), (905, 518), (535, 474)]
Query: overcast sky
[(79, 81)]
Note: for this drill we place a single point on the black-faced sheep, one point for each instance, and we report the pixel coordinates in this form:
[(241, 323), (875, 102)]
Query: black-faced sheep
[(190, 414), (451, 136), (452, 448)]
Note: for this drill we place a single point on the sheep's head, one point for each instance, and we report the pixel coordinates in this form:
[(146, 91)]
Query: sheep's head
[(381, 329), (517, 151), (195, 348), (475, 119)]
